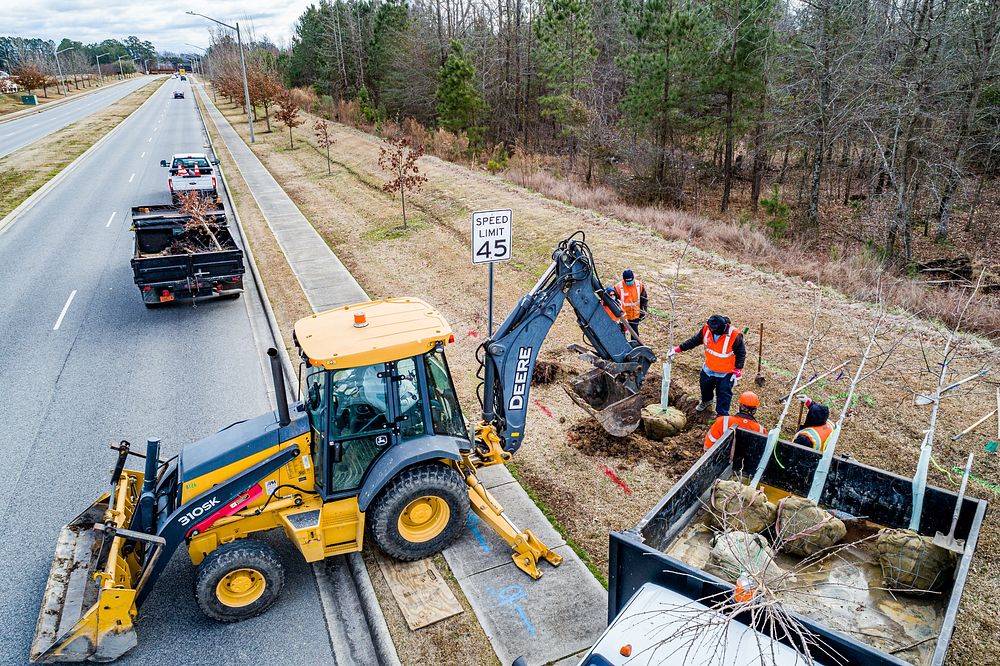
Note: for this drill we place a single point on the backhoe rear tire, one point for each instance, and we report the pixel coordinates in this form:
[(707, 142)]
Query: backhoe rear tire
[(420, 512), (238, 580)]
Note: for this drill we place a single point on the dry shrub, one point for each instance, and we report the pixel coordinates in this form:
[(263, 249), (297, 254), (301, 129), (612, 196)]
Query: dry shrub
[(391, 130), (349, 112), (304, 98), (415, 132)]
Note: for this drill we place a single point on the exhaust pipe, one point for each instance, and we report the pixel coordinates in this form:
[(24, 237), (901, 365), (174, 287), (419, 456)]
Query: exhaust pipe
[(147, 499), (280, 396)]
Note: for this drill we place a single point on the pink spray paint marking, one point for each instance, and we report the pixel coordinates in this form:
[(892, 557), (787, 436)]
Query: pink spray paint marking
[(545, 410), (473, 334), (617, 481)]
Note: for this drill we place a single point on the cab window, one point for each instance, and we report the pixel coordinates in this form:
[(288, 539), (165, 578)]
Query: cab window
[(446, 414), (411, 405)]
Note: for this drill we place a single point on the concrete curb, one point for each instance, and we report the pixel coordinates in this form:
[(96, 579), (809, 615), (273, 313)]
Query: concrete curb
[(381, 639), (38, 194), (51, 105)]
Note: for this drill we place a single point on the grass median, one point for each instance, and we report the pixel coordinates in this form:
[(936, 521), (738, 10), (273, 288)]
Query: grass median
[(25, 170)]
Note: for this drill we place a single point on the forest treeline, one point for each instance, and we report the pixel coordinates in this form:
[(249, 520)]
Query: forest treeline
[(887, 109)]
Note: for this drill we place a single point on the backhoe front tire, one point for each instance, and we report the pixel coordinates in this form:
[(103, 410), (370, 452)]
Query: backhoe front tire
[(238, 580), (420, 512)]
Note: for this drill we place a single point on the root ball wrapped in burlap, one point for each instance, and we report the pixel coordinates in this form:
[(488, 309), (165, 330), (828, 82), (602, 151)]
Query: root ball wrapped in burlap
[(736, 506), (736, 553), (804, 528), (911, 562)]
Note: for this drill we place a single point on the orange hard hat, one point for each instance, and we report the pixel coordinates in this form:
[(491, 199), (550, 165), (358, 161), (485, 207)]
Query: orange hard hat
[(749, 399)]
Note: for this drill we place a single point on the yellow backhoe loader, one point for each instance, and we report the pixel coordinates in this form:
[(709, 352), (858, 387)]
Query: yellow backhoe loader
[(377, 441)]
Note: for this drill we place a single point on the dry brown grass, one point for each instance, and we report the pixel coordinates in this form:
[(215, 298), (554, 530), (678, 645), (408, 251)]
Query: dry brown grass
[(854, 272), (25, 170), (10, 103), (562, 461), (283, 289)]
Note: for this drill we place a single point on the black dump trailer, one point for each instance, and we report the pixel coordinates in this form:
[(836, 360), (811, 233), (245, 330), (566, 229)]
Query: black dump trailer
[(175, 258), (853, 621)]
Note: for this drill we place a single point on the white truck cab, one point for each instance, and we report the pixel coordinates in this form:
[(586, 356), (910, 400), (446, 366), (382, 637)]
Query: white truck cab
[(191, 172)]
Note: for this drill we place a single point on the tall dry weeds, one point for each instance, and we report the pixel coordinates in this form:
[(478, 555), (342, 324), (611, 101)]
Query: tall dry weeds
[(854, 271)]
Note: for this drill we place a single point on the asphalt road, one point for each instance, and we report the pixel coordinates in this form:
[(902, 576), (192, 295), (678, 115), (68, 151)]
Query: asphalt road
[(27, 129), (84, 364)]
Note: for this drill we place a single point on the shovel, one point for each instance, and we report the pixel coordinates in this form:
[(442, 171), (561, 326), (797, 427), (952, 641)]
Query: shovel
[(759, 379), (948, 541)]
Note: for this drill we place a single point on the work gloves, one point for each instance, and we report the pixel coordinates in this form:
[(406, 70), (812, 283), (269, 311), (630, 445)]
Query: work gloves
[(737, 374)]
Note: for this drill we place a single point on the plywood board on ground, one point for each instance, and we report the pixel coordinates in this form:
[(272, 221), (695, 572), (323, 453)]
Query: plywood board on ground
[(420, 591)]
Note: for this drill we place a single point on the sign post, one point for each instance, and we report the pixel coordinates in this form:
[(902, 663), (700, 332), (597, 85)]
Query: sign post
[(491, 242)]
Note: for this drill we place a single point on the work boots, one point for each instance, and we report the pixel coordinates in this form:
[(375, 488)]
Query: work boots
[(702, 406)]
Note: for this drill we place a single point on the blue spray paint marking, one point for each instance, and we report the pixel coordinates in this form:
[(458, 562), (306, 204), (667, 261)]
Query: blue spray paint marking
[(510, 596), (473, 524)]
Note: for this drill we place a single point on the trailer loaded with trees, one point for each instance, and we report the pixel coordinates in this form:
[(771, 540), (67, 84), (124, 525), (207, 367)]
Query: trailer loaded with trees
[(186, 252)]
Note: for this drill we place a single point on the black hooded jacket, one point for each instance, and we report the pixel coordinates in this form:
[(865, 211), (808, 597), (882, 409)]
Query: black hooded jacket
[(739, 348), (816, 416)]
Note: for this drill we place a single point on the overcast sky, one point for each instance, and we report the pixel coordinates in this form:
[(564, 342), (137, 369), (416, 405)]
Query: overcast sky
[(163, 23)]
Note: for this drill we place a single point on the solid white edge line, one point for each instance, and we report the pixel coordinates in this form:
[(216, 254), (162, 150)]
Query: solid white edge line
[(62, 314), (110, 218)]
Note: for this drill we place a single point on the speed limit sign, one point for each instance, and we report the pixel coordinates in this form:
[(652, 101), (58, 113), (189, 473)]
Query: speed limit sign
[(491, 236)]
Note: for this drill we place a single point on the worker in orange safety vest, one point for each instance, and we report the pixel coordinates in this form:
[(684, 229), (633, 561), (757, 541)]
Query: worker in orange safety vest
[(613, 297), (725, 354), (746, 418), (632, 299), (816, 429)]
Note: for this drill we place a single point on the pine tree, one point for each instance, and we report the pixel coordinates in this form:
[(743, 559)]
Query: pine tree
[(664, 62), (566, 54), (459, 104)]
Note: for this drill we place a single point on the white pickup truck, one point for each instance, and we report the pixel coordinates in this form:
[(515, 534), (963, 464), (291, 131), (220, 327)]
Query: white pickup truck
[(191, 172)]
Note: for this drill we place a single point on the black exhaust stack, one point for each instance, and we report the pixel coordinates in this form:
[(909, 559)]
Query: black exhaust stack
[(280, 396)]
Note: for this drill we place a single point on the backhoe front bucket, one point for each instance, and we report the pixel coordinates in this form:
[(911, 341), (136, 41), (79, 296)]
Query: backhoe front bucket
[(89, 601), (616, 407)]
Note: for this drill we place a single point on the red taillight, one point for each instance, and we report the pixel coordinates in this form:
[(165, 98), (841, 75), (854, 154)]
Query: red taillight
[(147, 288), (170, 183), (165, 292), (236, 279), (213, 183)]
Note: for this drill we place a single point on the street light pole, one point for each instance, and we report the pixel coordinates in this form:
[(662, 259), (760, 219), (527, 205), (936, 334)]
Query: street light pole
[(121, 70), (99, 74), (243, 67), (59, 68)]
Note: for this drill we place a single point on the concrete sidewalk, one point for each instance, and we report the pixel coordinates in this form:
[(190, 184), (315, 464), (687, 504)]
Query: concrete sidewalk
[(550, 620), (324, 279)]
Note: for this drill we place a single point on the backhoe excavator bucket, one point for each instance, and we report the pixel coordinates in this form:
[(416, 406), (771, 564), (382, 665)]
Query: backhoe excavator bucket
[(89, 601), (616, 407)]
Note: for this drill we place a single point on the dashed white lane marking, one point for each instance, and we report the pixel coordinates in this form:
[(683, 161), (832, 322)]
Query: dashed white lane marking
[(110, 218), (143, 155), (62, 314), (149, 139), (131, 177)]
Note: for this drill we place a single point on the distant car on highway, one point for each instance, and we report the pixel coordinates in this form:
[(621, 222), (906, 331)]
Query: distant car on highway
[(184, 78), (179, 94), (191, 172)]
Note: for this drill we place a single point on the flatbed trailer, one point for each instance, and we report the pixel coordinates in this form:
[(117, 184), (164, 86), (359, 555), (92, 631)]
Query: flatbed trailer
[(657, 553), (163, 277)]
